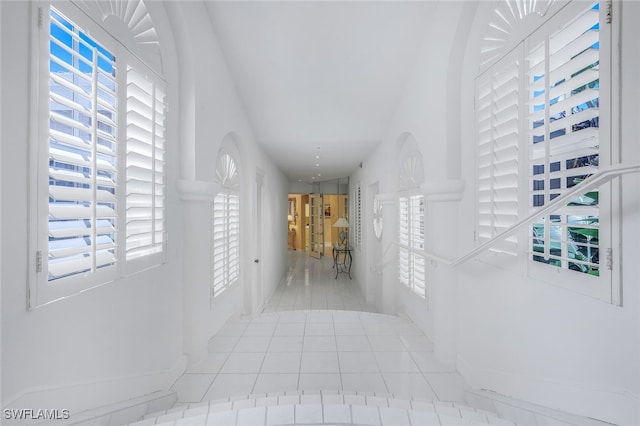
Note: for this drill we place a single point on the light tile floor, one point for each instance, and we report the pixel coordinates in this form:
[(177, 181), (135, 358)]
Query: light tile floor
[(311, 284), (331, 345)]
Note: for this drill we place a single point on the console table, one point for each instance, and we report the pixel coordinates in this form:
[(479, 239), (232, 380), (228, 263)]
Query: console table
[(345, 265)]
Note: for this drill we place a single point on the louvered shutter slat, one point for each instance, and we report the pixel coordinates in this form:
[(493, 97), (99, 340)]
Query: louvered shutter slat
[(70, 122), (68, 193), (67, 175), (575, 29), (571, 102), (64, 83)]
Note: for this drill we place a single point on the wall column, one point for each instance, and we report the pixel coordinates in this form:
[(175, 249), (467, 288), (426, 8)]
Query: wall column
[(386, 295), (441, 237), (196, 197)]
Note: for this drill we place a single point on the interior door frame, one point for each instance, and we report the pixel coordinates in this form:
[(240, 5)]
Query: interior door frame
[(257, 299)]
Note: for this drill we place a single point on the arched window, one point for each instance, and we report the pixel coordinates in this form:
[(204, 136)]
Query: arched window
[(225, 227), (411, 214), (100, 146), (545, 68)]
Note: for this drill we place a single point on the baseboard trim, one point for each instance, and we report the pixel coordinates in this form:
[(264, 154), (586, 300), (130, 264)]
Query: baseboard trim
[(532, 397), (82, 397)]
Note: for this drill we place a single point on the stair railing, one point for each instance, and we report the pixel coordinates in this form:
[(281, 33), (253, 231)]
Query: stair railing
[(602, 176)]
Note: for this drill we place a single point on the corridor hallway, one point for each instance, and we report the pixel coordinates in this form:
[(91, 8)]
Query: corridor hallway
[(311, 284), (316, 341)]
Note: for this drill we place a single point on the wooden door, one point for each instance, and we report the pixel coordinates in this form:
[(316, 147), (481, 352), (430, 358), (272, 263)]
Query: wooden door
[(316, 225)]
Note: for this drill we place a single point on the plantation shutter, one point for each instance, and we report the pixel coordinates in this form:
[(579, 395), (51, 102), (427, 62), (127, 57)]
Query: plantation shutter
[(403, 239), (220, 207), (225, 241), (145, 166), (234, 237), (225, 228), (497, 152), (82, 152), (411, 264), (564, 140), (416, 237)]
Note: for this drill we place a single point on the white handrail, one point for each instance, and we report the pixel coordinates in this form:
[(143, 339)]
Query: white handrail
[(426, 255), (379, 268), (600, 177)]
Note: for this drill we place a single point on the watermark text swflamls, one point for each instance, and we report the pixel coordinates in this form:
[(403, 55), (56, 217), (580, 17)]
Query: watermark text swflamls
[(36, 414)]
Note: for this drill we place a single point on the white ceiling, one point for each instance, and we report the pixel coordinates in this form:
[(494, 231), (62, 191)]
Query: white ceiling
[(320, 78)]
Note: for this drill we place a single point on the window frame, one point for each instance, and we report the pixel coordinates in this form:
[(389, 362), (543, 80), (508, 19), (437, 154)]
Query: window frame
[(41, 290), (229, 189), (604, 287), (411, 177), (413, 257)]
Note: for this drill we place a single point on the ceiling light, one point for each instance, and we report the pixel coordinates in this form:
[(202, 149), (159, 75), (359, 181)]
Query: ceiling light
[(317, 164), (313, 177), (319, 174), (317, 157)]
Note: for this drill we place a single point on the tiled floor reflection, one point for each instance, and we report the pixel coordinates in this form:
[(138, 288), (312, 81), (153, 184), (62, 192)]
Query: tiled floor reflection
[(316, 334), (319, 350), (311, 284)]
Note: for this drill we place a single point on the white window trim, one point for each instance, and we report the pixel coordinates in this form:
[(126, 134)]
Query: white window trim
[(605, 287), (230, 270), (39, 291), (414, 257), (410, 178)]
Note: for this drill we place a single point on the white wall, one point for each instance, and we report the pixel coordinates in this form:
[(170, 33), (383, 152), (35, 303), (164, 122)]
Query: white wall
[(113, 342), (513, 335), (420, 115), (208, 90), (127, 338), (535, 341)]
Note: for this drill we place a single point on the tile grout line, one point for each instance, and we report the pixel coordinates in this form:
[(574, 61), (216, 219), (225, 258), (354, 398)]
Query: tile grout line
[(266, 350), (304, 333), (376, 358), (335, 340)]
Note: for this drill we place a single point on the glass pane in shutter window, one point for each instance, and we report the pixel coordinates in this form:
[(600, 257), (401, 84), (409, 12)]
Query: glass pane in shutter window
[(566, 151), (82, 152)]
